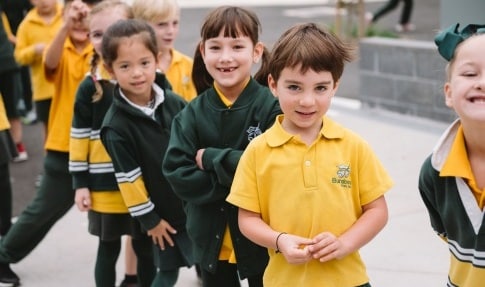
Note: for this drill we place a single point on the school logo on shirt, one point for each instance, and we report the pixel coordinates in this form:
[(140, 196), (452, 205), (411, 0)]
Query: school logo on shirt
[(343, 172), (253, 132)]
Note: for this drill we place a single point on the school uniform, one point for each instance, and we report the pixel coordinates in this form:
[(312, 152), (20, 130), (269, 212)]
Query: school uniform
[(336, 175), (447, 186), (34, 30), (7, 152), (179, 74), (10, 80), (55, 195), (136, 143), (207, 122)]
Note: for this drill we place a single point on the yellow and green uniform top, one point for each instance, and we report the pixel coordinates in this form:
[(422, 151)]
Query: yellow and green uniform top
[(306, 190), (455, 205), (34, 30), (89, 162), (135, 138)]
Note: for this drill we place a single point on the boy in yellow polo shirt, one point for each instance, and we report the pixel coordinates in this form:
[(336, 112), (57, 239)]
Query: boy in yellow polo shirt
[(308, 189), (35, 32), (66, 63)]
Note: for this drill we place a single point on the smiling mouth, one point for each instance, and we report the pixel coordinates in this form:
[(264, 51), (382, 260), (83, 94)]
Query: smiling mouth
[(305, 113), (477, 99), (225, 70)]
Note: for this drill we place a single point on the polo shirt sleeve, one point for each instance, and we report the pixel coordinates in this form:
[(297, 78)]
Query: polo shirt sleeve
[(244, 189)]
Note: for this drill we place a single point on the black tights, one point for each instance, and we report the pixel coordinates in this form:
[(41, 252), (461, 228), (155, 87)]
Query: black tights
[(108, 252), (5, 199)]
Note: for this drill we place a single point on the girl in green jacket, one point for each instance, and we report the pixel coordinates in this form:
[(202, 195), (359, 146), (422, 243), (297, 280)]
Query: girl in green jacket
[(209, 136)]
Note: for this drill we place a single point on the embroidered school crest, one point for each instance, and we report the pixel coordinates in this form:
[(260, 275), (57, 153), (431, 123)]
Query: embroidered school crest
[(343, 172), (253, 132)]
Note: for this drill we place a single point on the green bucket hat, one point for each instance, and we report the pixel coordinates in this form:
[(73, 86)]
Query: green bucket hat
[(448, 39)]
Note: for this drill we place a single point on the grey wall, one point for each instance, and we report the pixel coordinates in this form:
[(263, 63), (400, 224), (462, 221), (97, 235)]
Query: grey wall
[(404, 76)]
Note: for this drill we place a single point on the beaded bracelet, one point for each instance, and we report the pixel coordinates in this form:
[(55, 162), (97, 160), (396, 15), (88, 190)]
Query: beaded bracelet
[(278, 237)]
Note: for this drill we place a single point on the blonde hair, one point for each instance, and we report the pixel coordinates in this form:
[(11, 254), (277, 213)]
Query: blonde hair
[(154, 10)]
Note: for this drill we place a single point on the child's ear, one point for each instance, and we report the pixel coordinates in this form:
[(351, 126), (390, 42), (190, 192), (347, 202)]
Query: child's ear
[(258, 52), (448, 92), (272, 85), (109, 70), (201, 50)]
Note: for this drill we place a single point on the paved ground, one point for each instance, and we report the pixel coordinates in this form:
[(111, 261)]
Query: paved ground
[(406, 249)]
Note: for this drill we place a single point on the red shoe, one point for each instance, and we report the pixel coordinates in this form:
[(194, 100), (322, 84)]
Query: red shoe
[(22, 153)]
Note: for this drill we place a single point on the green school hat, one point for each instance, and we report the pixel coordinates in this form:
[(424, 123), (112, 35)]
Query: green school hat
[(448, 39)]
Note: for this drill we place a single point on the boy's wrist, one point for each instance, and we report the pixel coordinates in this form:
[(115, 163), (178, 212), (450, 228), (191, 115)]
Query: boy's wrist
[(277, 250)]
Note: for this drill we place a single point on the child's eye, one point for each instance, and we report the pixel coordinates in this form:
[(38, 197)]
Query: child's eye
[(469, 74), (124, 66), (96, 35), (293, 88), (238, 47), (321, 88), (162, 24), (146, 63), (215, 48)]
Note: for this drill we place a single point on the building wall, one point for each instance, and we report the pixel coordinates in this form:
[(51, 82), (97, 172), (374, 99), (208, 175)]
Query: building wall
[(404, 76)]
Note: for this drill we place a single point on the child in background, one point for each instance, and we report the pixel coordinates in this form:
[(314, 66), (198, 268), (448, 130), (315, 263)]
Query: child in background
[(93, 176), (209, 136), (164, 17), (35, 32), (307, 165), (135, 132), (11, 85), (7, 152), (66, 63), (15, 11), (452, 178)]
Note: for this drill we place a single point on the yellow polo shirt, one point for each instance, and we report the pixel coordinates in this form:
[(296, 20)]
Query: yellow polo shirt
[(33, 30), (179, 75), (306, 190), (72, 69)]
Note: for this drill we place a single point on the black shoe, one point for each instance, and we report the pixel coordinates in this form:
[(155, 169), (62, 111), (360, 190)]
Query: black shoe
[(124, 284), (7, 277)]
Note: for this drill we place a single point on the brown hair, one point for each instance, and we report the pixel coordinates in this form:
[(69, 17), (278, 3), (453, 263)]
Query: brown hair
[(233, 22), (100, 7), (125, 29), (310, 47)]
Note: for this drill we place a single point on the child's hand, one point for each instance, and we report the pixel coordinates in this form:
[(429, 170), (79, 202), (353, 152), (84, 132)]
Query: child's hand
[(294, 248), (83, 199), (198, 158), (326, 246), (39, 48), (162, 232), (78, 11)]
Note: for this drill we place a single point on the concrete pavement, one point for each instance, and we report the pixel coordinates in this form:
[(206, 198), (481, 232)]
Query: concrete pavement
[(405, 253)]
